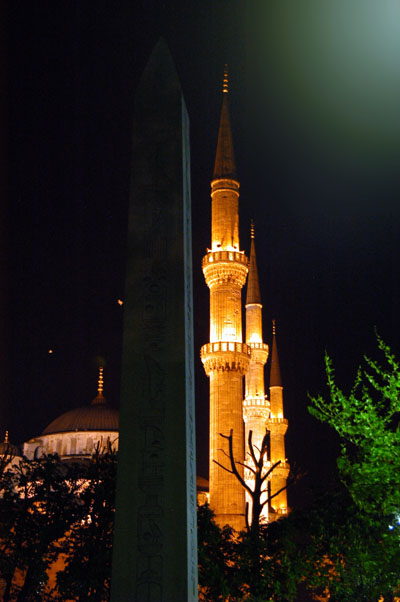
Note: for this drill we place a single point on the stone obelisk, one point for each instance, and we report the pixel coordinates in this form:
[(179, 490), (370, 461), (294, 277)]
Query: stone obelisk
[(155, 540)]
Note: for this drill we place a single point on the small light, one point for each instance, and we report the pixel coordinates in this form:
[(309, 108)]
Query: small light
[(50, 351), (120, 302)]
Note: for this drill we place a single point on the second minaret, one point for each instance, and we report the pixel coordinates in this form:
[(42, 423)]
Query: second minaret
[(255, 404)]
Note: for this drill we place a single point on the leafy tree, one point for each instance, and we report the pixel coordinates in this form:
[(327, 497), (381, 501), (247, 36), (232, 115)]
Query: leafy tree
[(236, 567), (37, 504), (367, 420), (335, 549), (218, 579), (88, 547)]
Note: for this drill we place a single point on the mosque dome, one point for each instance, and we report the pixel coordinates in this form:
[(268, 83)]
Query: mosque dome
[(98, 416), (8, 448)]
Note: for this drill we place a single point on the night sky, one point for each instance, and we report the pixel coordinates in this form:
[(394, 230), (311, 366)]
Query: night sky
[(315, 97)]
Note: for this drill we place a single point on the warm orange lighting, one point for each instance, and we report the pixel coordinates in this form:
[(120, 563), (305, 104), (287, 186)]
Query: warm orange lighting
[(120, 302), (228, 333), (101, 381), (50, 351)]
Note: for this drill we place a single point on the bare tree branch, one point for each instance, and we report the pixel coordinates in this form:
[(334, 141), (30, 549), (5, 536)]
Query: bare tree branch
[(245, 466), (270, 470), (247, 517), (282, 488), (253, 456), (224, 452), (257, 493), (224, 467), (233, 464)]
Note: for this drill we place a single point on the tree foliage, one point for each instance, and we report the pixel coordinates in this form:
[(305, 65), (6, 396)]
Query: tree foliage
[(340, 551), (367, 420), (216, 559), (237, 567), (50, 509), (88, 547), (38, 503)]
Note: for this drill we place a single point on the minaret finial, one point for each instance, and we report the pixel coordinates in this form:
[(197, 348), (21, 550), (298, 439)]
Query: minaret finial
[(225, 83), (6, 437), (275, 379), (252, 229), (224, 167), (101, 382)]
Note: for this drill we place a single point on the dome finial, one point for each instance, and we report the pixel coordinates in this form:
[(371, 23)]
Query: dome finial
[(100, 385), (274, 327), (6, 437), (100, 382), (225, 82), (252, 229)]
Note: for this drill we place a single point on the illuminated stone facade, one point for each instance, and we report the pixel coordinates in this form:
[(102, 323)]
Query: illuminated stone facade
[(227, 358), (255, 405), (277, 425)]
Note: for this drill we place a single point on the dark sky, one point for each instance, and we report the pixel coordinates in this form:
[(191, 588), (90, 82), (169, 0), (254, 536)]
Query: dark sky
[(315, 91)]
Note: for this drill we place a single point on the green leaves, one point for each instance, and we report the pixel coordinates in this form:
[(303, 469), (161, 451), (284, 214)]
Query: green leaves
[(367, 420)]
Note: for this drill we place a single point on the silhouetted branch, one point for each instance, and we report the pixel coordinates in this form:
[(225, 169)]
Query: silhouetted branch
[(270, 470)]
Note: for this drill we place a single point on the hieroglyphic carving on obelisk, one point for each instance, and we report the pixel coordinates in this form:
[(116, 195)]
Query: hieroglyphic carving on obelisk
[(155, 542)]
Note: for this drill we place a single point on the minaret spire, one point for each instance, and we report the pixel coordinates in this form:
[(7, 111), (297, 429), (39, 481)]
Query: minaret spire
[(275, 379), (253, 294), (225, 166), (277, 425)]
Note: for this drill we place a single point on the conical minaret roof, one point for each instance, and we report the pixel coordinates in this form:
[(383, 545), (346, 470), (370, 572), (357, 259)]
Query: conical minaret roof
[(225, 166), (253, 294), (275, 379)]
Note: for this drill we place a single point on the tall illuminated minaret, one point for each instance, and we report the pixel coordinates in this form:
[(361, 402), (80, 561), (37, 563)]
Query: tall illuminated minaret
[(277, 425), (255, 405), (225, 357)]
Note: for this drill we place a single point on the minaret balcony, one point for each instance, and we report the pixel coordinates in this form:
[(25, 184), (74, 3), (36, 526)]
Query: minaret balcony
[(225, 356), (259, 353), (277, 426), (281, 471), (256, 408), (256, 402), (225, 266)]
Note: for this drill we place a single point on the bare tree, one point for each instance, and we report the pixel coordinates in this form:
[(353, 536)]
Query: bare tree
[(260, 477)]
